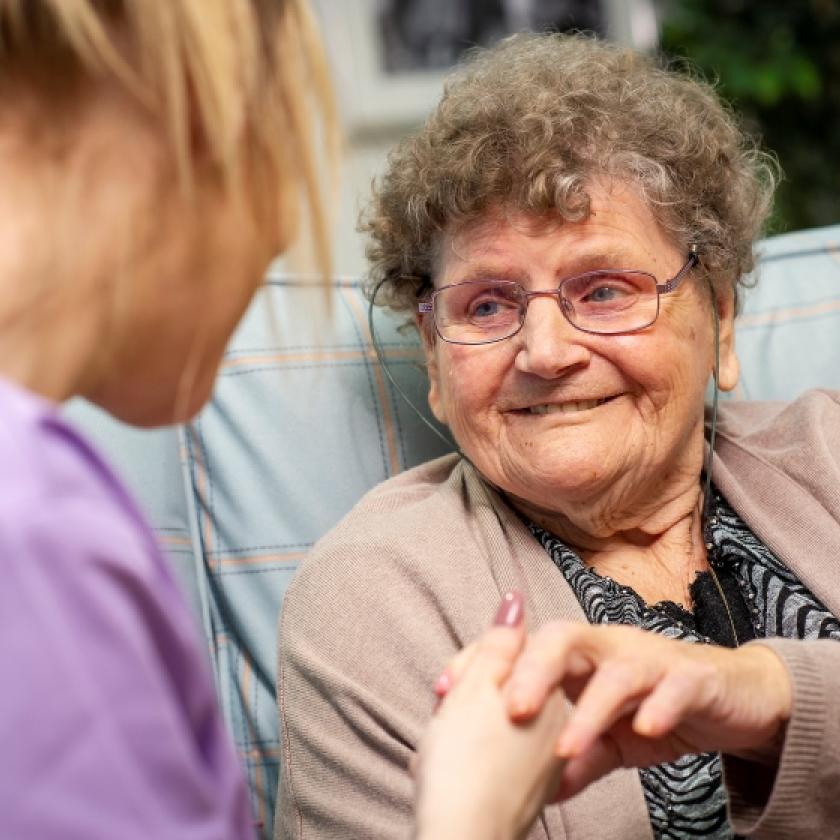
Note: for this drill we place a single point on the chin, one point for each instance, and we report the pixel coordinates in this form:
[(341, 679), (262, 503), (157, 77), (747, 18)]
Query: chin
[(148, 416), (152, 407), (570, 479)]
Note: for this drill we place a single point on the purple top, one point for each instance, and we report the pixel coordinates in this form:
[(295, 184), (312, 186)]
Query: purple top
[(109, 726)]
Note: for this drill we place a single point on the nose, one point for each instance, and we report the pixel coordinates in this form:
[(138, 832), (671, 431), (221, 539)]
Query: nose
[(549, 346)]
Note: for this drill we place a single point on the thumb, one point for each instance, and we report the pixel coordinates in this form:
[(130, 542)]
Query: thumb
[(497, 650), (601, 758)]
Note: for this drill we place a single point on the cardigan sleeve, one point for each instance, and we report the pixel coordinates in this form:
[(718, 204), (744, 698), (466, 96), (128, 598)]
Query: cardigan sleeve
[(354, 694), (804, 796)]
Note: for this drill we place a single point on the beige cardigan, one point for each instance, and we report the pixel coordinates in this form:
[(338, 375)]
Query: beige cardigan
[(417, 569)]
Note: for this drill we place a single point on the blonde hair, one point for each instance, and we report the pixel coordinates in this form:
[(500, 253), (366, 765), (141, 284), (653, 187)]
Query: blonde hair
[(247, 77), (531, 123)]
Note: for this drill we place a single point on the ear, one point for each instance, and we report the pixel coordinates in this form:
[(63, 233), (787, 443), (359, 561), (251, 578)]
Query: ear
[(430, 348), (730, 368)]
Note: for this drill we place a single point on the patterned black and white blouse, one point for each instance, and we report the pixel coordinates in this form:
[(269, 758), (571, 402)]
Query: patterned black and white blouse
[(686, 798)]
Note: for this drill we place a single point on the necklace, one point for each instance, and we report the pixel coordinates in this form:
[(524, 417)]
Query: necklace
[(704, 517), (709, 548)]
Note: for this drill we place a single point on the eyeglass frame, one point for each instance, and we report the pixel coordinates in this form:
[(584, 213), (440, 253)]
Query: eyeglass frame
[(426, 307)]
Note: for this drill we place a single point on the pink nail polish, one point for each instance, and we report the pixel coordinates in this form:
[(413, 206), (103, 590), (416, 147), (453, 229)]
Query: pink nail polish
[(511, 610), (443, 684)]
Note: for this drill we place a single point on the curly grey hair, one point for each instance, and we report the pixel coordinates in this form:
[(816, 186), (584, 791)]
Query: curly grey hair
[(530, 123)]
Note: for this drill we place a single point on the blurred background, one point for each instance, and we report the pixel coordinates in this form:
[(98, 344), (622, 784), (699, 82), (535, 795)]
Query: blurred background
[(776, 61)]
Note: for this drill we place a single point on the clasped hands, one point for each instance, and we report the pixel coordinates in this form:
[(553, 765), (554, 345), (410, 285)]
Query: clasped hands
[(504, 741)]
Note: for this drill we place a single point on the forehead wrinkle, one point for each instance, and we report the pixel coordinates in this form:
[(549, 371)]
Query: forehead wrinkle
[(488, 271), (485, 267), (484, 236), (602, 258)]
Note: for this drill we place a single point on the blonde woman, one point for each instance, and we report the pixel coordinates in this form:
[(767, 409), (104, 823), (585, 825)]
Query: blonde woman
[(154, 155)]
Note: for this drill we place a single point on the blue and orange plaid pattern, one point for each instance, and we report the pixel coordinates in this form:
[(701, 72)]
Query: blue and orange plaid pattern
[(303, 422)]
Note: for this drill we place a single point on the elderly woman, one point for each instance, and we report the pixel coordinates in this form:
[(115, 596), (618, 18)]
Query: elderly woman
[(154, 156), (571, 227)]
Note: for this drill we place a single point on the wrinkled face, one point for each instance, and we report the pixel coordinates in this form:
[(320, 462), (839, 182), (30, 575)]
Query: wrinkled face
[(554, 416)]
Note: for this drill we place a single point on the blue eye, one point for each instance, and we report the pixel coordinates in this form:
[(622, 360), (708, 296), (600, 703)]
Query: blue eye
[(486, 309), (485, 304), (603, 294)]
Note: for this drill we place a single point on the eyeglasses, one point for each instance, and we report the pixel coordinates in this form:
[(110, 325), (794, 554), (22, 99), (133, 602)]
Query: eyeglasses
[(604, 302)]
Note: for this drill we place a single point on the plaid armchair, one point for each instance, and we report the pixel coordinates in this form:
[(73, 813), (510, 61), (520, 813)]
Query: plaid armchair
[(304, 421)]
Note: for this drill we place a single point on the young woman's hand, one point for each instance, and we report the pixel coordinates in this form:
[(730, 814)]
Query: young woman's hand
[(478, 774)]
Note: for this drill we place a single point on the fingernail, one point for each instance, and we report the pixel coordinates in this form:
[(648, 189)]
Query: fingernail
[(643, 726), (519, 706), (511, 610), (566, 745), (443, 684)]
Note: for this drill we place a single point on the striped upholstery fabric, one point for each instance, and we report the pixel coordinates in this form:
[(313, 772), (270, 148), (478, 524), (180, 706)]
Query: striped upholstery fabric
[(302, 424), (304, 421), (788, 334)]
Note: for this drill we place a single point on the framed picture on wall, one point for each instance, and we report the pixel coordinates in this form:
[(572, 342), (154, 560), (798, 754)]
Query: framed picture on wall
[(390, 56)]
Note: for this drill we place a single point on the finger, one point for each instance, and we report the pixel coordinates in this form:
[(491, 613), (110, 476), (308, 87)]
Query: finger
[(601, 758), (682, 691), (550, 654), (616, 688), (495, 655), (498, 647), (455, 670)]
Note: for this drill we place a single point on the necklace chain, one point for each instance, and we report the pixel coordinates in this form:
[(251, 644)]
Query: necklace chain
[(726, 606), (709, 545), (719, 587)]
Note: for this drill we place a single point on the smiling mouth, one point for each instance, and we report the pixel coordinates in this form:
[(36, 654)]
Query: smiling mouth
[(567, 407)]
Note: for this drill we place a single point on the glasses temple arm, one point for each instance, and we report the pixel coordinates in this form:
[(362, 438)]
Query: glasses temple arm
[(674, 282)]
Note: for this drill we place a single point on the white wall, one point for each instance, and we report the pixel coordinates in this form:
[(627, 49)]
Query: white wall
[(362, 160)]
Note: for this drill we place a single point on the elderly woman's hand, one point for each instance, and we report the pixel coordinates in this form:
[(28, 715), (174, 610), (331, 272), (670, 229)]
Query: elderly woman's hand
[(478, 774), (642, 699)]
